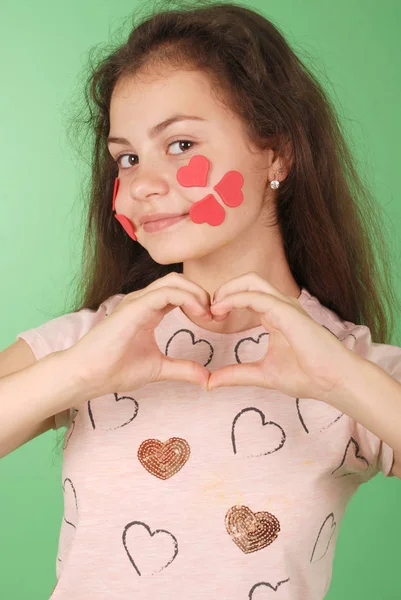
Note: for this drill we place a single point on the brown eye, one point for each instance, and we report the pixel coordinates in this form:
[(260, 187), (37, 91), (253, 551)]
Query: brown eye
[(182, 142), (130, 164)]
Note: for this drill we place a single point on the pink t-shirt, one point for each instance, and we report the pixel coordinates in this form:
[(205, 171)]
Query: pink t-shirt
[(174, 492)]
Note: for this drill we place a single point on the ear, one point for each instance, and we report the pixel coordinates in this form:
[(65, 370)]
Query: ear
[(281, 158)]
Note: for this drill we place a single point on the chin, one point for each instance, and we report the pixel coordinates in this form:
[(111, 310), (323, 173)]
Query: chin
[(168, 256)]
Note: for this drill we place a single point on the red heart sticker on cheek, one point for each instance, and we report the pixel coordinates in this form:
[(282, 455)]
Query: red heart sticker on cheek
[(115, 190), (207, 210), (229, 188), (127, 225), (122, 219), (195, 173)]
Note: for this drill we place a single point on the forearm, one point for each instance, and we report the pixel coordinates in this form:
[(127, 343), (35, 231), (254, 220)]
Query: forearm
[(372, 397), (35, 393)]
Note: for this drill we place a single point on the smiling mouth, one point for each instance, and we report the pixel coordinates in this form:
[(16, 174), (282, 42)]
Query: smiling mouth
[(153, 226)]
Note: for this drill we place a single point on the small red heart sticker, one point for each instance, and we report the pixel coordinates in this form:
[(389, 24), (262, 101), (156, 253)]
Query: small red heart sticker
[(207, 210), (127, 225), (195, 173), (115, 190), (122, 219), (229, 188)]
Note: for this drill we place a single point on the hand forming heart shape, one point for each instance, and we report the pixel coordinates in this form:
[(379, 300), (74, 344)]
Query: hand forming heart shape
[(303, 360)]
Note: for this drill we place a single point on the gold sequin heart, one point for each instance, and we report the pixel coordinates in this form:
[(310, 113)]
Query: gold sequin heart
[(251, 531), (164, 459)]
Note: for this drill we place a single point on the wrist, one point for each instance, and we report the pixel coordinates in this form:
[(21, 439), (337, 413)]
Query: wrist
[(348, 388), (80, 384)]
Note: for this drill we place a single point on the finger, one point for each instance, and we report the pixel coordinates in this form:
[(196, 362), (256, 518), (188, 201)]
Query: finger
[(177, 369), (272, 310), (180, 281), (219, 318), (155, 304), (247, 282), (293, 323), (245, 374)]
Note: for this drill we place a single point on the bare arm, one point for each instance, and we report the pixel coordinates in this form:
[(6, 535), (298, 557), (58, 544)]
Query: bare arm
[(33, 394), (372, 397)]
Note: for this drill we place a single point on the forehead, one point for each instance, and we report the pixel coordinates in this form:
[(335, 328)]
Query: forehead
[(174, 91)]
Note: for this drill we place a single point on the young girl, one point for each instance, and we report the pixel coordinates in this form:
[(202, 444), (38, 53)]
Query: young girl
[(222, 397)]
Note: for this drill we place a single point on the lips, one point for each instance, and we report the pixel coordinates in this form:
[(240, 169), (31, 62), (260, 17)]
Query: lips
[(159, 217), (164, 223)]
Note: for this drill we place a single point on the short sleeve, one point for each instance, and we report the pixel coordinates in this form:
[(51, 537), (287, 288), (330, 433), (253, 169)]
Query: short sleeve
[(379, 454), (63, 332)]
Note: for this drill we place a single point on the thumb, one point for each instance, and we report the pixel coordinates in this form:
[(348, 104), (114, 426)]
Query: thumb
[(243, 374), (177, 369)]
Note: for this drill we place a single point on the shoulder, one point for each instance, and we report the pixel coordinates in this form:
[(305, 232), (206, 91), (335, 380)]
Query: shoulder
[(357, 338), (64, 330)]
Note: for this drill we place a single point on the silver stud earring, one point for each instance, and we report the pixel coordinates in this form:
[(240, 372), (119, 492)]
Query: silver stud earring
[(275, 183)]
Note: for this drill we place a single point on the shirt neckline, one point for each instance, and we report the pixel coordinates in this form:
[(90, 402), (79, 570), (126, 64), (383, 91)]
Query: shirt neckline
[(180, 317)]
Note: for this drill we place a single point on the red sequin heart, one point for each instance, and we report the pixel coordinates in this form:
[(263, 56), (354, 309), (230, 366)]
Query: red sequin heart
[(164, 459), (195, 173), (229, 188), (207, 210)]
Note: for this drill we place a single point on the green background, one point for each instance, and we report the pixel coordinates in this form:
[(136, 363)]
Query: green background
[(44, 45)]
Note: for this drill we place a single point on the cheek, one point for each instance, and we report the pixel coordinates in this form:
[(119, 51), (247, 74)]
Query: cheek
[(208, 209)]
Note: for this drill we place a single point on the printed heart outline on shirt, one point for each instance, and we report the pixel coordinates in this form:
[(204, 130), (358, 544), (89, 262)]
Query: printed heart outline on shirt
[(356, 455), (69, 518), (208, 209), (194, 342), (323, 407), (74, 515), (265, 423), (266, 585), (251, 531), (164, 459), (104, 399), (152, 534), (260, 341), (323, 539)]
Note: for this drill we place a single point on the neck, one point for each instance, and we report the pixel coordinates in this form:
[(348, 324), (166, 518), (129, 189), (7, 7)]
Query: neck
[(261, 252)]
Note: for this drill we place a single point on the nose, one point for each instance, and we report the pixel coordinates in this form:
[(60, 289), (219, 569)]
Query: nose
[(146, 183)]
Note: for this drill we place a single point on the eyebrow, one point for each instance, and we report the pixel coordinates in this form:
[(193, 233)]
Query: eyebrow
[(154, 131)]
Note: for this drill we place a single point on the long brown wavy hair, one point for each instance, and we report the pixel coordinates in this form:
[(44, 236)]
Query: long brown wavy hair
[(332, 228)]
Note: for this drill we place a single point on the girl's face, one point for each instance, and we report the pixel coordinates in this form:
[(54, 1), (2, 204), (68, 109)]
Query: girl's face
[(167, 120)]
